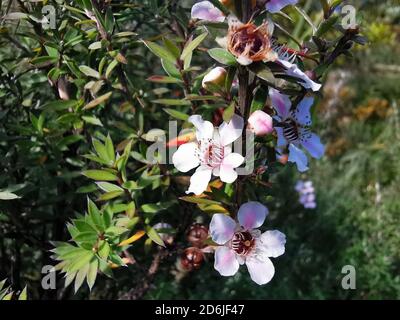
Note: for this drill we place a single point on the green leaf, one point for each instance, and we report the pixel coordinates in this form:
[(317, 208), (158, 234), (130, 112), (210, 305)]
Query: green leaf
[(110, 195), (59, 105), (222, 56), (172, 102), (101, 151), (23, 295), (89, 72), (80, 277), (108, 187), (92, 120), (95, 45), (198, 200), (191, 46), (154, 236), (259, 100), (92, 273), (170, 69), (97, 101), (176, 114), (111, 67), (100, 175), (163, 79), (160, 51), (110, 149), (104, 249)]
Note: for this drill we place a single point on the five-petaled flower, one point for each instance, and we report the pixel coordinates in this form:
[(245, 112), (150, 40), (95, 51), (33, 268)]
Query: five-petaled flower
[(242, 243), (211, 153), (294, 129)]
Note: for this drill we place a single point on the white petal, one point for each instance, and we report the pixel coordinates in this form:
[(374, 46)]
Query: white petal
[(313, 145), (205, 10), (272, 243), (204, 129), (294, 71), (302, 114), (230, 132), (185, 159), (297, 156), (280, 102), (233, 159), (199, 180), (225, 262), (244, 61), (222, 228), (227, 174), (252, 215), (261, 272)]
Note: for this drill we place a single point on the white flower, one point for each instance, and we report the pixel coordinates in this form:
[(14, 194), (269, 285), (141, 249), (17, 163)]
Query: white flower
[(211, 153), (242, 243)]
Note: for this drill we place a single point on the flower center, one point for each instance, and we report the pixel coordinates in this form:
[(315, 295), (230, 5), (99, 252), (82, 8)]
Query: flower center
[(242, 243), (211, 153), (290, 130)]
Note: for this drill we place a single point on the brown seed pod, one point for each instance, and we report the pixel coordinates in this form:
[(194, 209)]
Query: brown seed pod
[(191, 259), (250, 43), (197, 234)]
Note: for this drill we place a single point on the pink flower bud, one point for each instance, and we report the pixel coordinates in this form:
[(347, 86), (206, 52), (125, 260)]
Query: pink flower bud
[(216, 77), (261, 123)]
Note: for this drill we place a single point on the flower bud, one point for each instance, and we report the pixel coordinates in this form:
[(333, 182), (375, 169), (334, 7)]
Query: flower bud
[(216, 77), (197, 234), (191, 259), (261, 123)]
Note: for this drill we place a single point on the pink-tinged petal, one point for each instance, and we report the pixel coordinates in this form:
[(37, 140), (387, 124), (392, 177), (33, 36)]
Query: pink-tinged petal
[(227, 168), (205, 10), (260, 123), (302, 114), (233, 159), (275, 6), (225, 262), (261, 272), (185, 159), (294, 71), (230, 132), (222, 228), (280, 102), (298, 157), (204, 129), (272, 243), (252, 215), (227, 174), (312, 143), (199, 180)]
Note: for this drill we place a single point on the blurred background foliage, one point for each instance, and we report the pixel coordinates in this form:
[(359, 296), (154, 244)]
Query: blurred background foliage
[(42, 144)]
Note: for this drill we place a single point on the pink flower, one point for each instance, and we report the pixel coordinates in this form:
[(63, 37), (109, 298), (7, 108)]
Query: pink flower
[(242, 243), (205, 10), (211, 153), (260, 123)]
